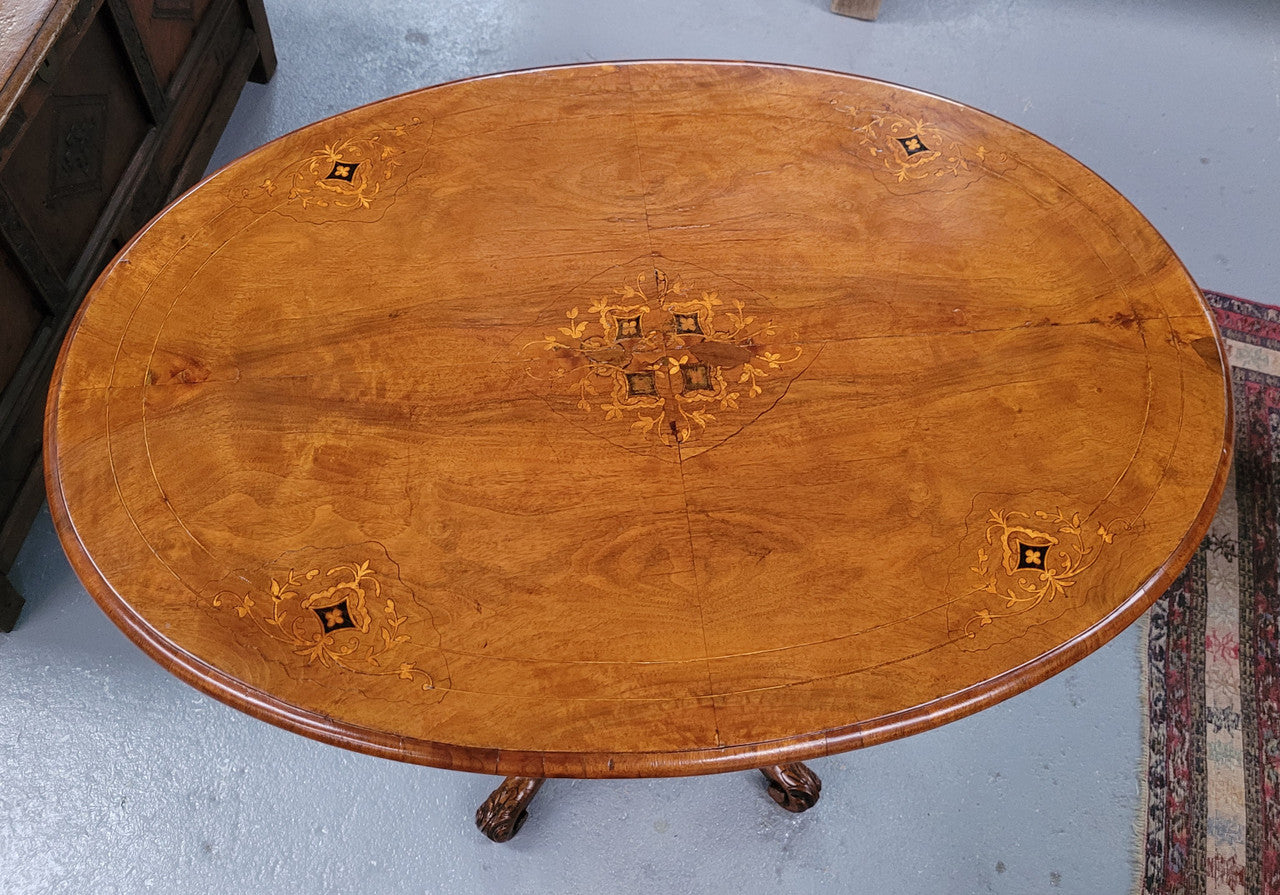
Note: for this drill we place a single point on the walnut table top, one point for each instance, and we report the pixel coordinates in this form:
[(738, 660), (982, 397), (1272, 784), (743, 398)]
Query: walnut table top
[(637, 419)]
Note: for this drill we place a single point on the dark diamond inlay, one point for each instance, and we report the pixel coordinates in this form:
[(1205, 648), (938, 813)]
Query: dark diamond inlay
[(696, 377), (641, 384), (334, 618), (628, 328), (1031, 556), (687, 323), (913, 144), (343, 171)]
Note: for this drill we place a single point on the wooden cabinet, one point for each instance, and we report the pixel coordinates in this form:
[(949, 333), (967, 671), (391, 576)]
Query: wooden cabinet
[(110, 108)]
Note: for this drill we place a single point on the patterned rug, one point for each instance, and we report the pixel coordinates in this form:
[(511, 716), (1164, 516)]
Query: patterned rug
[(1212, 664)]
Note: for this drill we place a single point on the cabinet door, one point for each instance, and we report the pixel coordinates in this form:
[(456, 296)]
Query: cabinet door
[(63, 171)]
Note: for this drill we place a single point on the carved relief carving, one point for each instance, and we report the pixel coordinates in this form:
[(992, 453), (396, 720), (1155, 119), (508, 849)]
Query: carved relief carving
[(79, 132), (793, 786), (502, 815)]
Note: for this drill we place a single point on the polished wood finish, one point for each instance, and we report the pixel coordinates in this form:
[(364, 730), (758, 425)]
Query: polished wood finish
[(502, 815), (793, 786), (107, 110), (637, 420)]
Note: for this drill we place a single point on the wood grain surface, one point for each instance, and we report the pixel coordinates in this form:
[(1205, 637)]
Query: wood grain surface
[(637, 419)]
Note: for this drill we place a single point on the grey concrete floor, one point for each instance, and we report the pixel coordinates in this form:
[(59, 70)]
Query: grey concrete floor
[(115, 777)]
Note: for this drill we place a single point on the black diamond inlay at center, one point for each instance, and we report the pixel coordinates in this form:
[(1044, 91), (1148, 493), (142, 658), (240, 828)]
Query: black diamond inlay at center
[(343, 171), (913, 144), (1030, 556), (334, 618)]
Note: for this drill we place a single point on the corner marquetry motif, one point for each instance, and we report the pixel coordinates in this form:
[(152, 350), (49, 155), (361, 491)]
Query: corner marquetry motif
[(908, 148), (337, 618), (1032, 559), (352, 173), (662, 359)]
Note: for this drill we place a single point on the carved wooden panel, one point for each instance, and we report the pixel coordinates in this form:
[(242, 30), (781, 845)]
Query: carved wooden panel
[(79, 135), (61, 175)]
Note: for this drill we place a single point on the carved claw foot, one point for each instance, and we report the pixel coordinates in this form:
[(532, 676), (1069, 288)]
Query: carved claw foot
[(793, 786), (505, 811)]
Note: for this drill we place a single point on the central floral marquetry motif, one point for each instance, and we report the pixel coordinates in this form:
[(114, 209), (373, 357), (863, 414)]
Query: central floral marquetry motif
[(668, 362)]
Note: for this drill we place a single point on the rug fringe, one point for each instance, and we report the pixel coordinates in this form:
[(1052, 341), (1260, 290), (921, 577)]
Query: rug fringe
[(1138, 843)]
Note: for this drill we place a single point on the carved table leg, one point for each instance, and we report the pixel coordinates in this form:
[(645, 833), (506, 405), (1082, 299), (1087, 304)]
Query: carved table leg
[(793, 786), (505, 811)]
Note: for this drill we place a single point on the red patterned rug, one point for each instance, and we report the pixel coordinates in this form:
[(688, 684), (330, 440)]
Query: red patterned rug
[(1212, 663)]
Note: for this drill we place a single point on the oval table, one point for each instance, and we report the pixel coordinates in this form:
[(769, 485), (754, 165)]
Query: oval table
[(632, 420)]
